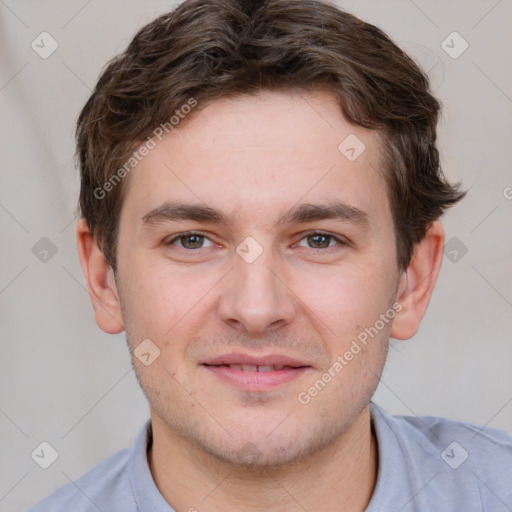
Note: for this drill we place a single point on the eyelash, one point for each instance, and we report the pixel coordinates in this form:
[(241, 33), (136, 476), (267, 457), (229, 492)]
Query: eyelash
[(340, 241)]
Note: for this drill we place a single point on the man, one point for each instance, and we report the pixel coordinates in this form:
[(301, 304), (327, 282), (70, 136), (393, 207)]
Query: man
[(260, 199)]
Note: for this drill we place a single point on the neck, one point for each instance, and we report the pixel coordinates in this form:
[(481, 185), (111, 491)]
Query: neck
[(344, 475)]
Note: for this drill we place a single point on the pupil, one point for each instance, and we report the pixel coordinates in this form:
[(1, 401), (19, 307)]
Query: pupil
[(317, 241), (192, 237)]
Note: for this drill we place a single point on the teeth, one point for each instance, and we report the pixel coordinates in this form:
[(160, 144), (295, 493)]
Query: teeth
[(255, 368)]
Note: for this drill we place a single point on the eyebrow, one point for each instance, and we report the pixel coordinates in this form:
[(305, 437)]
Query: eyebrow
[(302, 213), (172, 211)]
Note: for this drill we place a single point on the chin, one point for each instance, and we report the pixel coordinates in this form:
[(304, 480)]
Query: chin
[(259, 455), (257, 449)]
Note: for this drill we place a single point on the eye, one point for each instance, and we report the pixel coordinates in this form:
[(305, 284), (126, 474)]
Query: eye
[(190, 241), (314, 239), (320, 240)]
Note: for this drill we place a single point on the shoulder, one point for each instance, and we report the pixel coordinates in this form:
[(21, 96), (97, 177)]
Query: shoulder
[(104, 487), (456, 439), (462, 457)]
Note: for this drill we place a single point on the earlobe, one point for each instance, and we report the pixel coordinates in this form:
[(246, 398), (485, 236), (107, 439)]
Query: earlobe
[(100, 281), (417, 283)]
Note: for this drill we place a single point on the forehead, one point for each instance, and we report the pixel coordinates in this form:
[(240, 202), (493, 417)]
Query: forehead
[(261, 154)]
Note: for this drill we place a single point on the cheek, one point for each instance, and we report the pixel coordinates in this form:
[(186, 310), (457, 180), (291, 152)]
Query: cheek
[(159, 293), (347, 301), (153, 303), (167, 307)]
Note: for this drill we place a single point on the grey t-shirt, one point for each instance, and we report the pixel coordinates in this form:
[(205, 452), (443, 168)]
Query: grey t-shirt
[(425, 464)]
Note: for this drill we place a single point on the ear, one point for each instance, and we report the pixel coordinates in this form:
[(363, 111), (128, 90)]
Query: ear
[(417, 283), (100, 281)]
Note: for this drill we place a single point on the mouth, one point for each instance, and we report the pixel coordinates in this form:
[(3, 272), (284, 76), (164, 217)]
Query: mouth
[(257, 368), (251, 373)]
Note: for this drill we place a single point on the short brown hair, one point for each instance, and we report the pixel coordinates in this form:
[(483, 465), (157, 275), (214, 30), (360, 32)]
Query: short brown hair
[(209, 49)]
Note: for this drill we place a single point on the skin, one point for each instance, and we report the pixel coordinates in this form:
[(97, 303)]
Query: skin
[(216, 446)]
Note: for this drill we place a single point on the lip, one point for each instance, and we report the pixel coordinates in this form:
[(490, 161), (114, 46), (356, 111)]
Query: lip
[(268, 360), (256, 380)]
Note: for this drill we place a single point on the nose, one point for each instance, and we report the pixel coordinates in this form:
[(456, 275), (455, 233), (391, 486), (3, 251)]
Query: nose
[(256, 297)]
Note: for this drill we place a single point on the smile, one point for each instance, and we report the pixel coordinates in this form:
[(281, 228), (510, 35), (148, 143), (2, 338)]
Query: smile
[(251, 373), (256, 368)]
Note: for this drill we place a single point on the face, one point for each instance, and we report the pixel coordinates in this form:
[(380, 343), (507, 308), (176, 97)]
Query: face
[(252, 253)]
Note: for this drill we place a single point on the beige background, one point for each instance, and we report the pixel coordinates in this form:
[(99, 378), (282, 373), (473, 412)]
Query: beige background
[(65, 382)]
